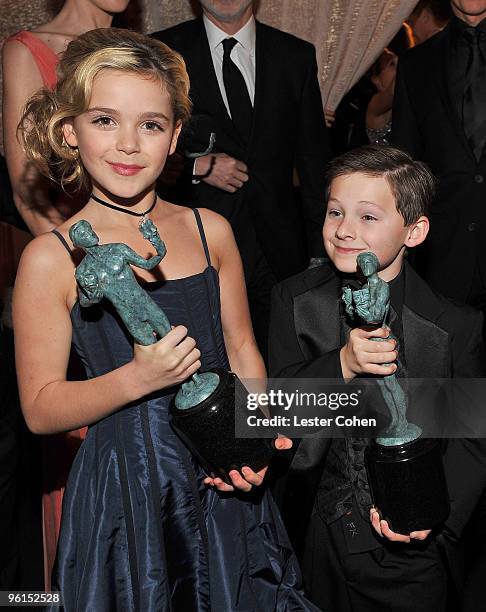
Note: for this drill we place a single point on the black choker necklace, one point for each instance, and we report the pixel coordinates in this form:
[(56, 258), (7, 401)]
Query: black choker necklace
[(124, 210)]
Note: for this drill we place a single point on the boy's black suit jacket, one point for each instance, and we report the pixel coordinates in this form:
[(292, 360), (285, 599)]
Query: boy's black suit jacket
[(288, 131), (427, 126), (441, 340)]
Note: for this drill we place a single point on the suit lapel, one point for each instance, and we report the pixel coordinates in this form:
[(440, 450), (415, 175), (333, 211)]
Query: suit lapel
[(427, 353), (317, 317), (261, 80), (204, 81)]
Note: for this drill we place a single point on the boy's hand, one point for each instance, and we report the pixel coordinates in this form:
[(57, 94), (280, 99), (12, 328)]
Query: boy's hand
[(249, 478), (381, 527), (362, 355)]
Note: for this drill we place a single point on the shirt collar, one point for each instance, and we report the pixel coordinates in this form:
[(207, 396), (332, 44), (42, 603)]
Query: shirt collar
[(459, 27), (246, 36)]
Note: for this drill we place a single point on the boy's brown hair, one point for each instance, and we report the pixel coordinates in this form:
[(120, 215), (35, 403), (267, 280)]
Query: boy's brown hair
[(411, 182)]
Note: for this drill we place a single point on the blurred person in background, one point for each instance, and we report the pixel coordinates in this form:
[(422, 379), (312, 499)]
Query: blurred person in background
[(428, 18), (30, 59), (364, 114), (439, 117), (29, 62)]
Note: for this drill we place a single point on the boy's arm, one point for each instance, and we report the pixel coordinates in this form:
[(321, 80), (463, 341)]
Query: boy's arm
[(286, 359)]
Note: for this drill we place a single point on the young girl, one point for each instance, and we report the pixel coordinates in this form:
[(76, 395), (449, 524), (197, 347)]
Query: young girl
[(142, 527)]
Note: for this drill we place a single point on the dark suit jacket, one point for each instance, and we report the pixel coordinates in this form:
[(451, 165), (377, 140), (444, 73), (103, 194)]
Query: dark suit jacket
[(441, 340), (426, 125), (288, 131)]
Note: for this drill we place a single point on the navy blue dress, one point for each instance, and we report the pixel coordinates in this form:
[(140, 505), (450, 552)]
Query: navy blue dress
[(140, 531)]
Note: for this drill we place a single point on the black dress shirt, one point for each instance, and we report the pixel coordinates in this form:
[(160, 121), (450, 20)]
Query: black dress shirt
[(458, 59)]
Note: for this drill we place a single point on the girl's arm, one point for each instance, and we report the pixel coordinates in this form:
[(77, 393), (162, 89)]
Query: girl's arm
[(45, 282), (244, 356), (21, 79)]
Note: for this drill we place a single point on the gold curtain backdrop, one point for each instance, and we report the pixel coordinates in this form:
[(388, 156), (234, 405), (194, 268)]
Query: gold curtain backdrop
[(348, 34), (354, 34)]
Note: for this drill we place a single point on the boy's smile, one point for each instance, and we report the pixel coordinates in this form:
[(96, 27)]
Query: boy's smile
[(362, 216)]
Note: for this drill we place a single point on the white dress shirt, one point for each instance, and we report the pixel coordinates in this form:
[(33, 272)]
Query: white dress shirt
[(242, 54)]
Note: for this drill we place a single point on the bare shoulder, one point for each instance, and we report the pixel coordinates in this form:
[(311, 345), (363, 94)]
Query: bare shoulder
[(217, 230), (15, 51), (47, 259), (44, 293), (19, 68), (214, 224), (219, 236)]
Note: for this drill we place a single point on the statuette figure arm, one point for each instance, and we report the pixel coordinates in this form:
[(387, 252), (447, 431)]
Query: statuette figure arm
[(135, 259)]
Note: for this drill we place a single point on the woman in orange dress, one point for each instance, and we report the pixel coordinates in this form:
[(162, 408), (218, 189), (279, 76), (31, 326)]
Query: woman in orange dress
[(29, 63)]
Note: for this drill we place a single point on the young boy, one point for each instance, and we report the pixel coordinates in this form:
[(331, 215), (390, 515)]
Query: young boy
[(376, 201)]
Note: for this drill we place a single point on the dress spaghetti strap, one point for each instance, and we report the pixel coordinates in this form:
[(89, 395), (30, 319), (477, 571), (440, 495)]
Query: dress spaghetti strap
[(202, 234), (44, 57), (62, 239)]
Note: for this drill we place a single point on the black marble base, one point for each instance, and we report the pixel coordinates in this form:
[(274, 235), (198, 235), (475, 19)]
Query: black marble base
[(408, 484), (208, 430)]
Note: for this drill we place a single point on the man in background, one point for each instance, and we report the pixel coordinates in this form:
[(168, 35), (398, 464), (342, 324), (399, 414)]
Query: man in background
[(439, 117), (256, 88), (428, 18)]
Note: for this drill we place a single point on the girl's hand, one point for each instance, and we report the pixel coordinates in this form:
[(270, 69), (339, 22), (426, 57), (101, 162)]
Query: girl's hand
[(168, 362), (381, 527), (249, 478)]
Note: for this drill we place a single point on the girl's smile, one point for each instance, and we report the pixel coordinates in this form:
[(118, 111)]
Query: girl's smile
[(125, 169), (125, 135)]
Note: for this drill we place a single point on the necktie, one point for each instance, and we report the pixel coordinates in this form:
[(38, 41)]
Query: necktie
[(239, 101), (474, 100)]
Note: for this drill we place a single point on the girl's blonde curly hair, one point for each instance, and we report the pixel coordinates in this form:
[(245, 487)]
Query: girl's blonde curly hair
[(41, 125)]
